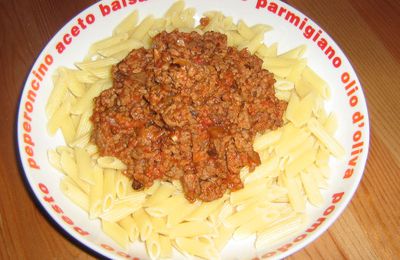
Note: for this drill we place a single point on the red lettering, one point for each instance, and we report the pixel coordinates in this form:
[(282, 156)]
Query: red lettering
[(348, 173), (48, 60), (75, 31), (104, 9), (81, 23), (27, 117), (337, 62), (29, 151), (81, 231), (43, 188), (316, 225), (282, 10), (107, 247), (60, 48), (357, 136), (337, 197), (329, 210), (32, 163), (57, 209), (32, 95), (90, 18), (299, 238), (48, 199), (123, 254), (267, 255), (285, 248), (353, 101), (67, 38), (27, 127), (132, 2), (35, 85), (345, 77), (357, 117), (261, 4), (67, 220), (28, 106), (116, 5), (28, 140)]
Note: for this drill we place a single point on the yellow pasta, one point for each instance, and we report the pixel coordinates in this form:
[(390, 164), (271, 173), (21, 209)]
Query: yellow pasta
[(294, 159), (75, 194), (116, 232)]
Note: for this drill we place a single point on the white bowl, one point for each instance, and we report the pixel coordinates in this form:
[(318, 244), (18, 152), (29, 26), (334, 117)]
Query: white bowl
[(351, 109)]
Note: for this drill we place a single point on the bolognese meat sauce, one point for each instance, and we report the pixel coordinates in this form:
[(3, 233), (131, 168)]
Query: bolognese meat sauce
[(187, 109)]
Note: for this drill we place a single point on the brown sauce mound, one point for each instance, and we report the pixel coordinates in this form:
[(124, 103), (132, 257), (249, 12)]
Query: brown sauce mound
[(187, 109)]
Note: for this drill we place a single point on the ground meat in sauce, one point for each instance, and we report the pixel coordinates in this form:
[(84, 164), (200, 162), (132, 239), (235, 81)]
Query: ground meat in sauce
[(187, 109)]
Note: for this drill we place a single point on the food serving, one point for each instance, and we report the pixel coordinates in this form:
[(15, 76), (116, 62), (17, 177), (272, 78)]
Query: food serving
[(187, 109), (169, 111)]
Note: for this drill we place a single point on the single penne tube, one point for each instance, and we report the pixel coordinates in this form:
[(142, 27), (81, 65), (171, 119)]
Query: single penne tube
[(163, 192), (143, 221), (181, 213), (57, 119), (86, 101), (295, 194), (301, 162), (244, 30), (84, 76), (297, 70), (240, 217), (177, 7), (254, 43), (122, 184), (119, 47), (165, 206), (141, 30), (303, 148), (165, 247), (54, 159), (264, 51), (279, 62), (279, 71), (311, 188), (110, 162), (266, 168), (267, 139), (109, 193), (96, 194), (121, 210), (300, 112), (74, 193), (153, 246), (84, 125), (99, 63), (189, 229), (69, 166), (115, 232), (291, 137), (57, 96), (249, 228), (224, 235), (107, 42), (127, 24), (318, 130), (85, 166), (129, 224), (319, 85), (68, 129), (279, 231), (331, 123), (191, 246), (102, 73), (294, 53), (248, 191), (205, 209), (284, 85), (74, 85), (81, 141)]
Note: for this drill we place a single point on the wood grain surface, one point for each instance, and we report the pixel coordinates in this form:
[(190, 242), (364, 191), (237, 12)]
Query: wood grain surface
[(368, 31)]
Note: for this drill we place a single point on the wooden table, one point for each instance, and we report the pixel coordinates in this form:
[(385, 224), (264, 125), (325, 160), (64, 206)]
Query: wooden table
[(367, 31)]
